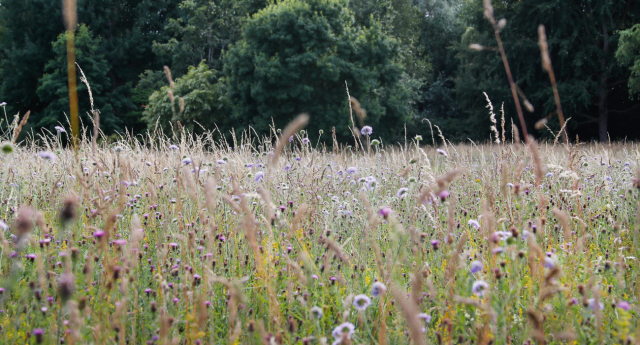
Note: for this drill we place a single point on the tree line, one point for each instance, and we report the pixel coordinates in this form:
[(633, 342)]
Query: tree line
[(240, 64)]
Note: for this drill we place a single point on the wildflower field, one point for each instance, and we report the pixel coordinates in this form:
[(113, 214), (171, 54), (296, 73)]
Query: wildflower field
[(187, 240)]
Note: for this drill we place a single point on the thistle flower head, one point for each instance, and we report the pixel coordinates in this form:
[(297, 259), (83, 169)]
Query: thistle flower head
[(377, 289), (361, 302), (479, 287), (366, 130)]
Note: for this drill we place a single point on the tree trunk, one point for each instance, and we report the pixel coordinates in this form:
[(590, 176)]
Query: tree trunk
[(603, 89)]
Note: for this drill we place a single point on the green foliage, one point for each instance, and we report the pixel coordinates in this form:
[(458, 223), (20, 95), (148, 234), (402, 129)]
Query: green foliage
[(53, 88), (204, 102), (295, 57), (582, 45), (629, 55), (202, 33)]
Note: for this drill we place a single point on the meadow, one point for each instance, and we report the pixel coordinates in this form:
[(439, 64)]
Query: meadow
[(183, 239)]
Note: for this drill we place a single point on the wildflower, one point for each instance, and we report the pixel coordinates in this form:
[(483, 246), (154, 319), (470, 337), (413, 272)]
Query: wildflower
[(287, 167), (46, 155), (435, 244), (476, 266), (221, 161), (259, 176), (361, 302), (173, 147), (66, 286), (418, 137), (442, 152), (291, 138), (187, 161), (474, 223), (549, 263), (305, 141), (424, 316), (444, 195), (352, 170), (592, 304), (98, 234), (375, 142), (3, 104), (38, 333), (317, 312), (479, 287), (3, 225), (549, 174), (59, 129), (345, 328), (402, 192), (624, 305), (366, 130), (385, 212), (378, 288), (7, 148)]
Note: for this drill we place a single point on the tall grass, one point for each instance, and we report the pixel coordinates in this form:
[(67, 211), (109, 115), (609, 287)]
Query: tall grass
[(184, 240)]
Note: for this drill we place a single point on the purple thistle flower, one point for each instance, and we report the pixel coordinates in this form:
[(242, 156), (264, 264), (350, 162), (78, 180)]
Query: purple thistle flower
[(39, 334), (479, 287), (378, 288), (385, 212), (476, 266), (444, 195), (352, 170), (402, 192), (424, 316), (47, 155), (592, 304), (344, 328), (624, 305), (361, 302), (474, 223), (366, 130)]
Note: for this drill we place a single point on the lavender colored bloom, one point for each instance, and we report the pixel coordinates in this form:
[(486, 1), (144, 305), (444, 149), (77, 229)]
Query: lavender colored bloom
[(317, 312), (444, 195), (549, 263), (173, 147), (59, 129), (385, 211), (221, 161), (361, 302), (305, 141), (378, 288), (476, 266), (366, 130), (435, 244), (424, 316), (624, 305), (549, 174), (474, 223), (479, 287), (592, 304), (98, 234), (402, 192), (47, 155), (259, 176), (442, 152), (291, 138), (120, 242), (3, 225), (287, 167), (341, 329), (187, 161), (38, 333), (352, 170)]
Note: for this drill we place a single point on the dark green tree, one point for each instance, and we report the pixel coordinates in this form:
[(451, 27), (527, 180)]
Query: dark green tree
[(629, 55), (204, 30), (295, 57), (204, 100), (54, 91), (583, 37)]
